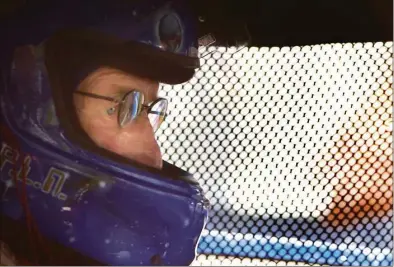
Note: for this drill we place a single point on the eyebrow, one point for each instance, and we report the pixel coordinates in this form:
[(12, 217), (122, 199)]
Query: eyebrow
[(119, 93), (103, 97)]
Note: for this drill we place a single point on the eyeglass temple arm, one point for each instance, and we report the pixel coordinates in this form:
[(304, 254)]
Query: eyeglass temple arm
[(97, 96), (157, 112)]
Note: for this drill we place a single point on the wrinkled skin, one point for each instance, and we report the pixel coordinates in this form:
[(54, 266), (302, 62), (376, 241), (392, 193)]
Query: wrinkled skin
[(136, 140)]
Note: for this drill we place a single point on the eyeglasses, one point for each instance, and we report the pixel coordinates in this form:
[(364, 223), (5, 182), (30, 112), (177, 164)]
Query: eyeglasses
[(131, 105)]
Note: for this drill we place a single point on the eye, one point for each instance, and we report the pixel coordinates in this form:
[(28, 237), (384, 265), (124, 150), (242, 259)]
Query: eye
[(111, 110), (170, 32)]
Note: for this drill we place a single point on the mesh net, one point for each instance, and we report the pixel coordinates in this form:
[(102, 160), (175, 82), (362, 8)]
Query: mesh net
[(293, 147)]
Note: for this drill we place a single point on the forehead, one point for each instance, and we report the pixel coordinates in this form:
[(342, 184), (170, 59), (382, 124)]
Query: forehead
[(108, 81)]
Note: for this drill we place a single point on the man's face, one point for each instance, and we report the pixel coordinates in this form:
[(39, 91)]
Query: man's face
[(135, 140)]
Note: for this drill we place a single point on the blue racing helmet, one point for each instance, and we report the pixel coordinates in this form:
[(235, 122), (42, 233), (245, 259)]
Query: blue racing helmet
[(65, 200)]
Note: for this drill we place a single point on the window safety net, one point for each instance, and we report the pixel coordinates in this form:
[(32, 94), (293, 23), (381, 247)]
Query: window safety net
[(293, 148)]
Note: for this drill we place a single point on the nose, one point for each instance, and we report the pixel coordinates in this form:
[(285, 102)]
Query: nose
[(144, 147)]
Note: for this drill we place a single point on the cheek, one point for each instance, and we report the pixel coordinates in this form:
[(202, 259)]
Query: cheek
[(101, 129), (134, 143), (107, 134), (122, 141)]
